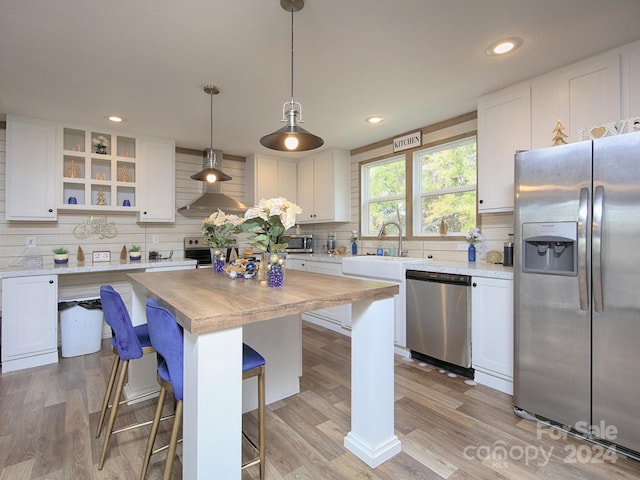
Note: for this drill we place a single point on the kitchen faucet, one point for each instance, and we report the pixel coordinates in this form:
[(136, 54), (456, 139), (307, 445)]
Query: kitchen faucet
[(381, 233)]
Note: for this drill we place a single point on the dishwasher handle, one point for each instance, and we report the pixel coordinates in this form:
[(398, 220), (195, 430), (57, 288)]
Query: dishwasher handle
[(438, 277)]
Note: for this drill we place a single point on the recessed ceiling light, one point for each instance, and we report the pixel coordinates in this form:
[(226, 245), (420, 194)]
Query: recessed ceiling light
[(115, 118), (374, 119), (503, 46)]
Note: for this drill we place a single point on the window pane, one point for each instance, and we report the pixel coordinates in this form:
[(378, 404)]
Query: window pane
[(457, 209), (448, 168), (387, 179), (386, 211)]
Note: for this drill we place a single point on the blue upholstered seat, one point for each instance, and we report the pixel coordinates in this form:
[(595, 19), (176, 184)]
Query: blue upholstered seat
[(167, 338), (129, 343)]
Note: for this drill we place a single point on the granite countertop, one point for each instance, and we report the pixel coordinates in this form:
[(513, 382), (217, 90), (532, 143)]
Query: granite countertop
[(72, 268), (477, 269)]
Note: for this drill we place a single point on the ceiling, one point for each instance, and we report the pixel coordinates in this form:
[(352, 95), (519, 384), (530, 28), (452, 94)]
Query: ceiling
[(416, 62)]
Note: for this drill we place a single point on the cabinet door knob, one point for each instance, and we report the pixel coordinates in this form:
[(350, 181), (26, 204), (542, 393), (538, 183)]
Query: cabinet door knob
[(51, 210), (474, 284), (481, 201), (50, 281), (144, 213)]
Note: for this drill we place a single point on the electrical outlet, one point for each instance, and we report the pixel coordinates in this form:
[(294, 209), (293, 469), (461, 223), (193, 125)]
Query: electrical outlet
[(31, 242), (154, 238)]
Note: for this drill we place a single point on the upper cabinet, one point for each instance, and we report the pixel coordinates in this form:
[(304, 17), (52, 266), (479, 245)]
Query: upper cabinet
[(73, 168), (324, 187), (589, 95), (504, 127), (99, 170), (156, 180), (30, 169), (270, 177)]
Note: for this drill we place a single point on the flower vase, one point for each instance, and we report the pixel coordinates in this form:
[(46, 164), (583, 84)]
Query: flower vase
[(218, 259), (471, 253), (354, 249), (276, 263)]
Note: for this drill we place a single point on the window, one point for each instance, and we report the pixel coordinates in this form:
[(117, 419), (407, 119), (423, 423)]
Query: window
[(444, 179), (384, 194)]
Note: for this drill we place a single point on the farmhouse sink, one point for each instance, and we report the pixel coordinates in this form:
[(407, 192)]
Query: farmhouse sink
[(377, 266)]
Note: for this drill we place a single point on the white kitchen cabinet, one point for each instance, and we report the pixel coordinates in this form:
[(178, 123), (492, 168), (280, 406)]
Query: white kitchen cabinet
[(30, 169), (589, 94), (504, 126), (156, 182), (631, 80), (270, 177), (337, 318), (492, 332), (29, 328), (324, 182)]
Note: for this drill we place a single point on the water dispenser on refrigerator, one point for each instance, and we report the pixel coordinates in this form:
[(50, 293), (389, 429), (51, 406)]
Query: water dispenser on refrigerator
[(550, 248)]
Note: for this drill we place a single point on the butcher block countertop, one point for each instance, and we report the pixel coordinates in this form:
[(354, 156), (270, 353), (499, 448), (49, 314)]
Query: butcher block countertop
[(204, 301)]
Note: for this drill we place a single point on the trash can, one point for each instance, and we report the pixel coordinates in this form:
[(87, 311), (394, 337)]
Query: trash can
[(80, 326)]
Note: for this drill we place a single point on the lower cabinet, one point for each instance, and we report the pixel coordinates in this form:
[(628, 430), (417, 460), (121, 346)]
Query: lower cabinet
[(492, 332), (337, 318), (29, 328)]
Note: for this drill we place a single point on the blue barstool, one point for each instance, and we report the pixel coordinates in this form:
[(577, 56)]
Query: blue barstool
[(166, 337), (128, 343)]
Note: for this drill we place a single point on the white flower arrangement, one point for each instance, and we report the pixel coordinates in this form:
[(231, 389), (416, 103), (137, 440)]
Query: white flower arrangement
[(474, 236), (218, 228), (268, 221)]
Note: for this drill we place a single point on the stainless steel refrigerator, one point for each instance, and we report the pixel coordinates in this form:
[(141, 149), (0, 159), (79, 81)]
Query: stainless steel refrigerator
[(577, 286)]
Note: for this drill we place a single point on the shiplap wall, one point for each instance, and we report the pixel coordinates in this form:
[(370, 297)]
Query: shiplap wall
[(50, 235)]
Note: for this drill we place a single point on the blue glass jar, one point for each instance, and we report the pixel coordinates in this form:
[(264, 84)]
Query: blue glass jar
[(354, 249), (471, 253)]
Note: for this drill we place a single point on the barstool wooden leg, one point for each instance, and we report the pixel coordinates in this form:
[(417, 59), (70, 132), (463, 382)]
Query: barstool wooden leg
[(107, 393), (153, 433), (261, 433), (173, 443), (114, 412)]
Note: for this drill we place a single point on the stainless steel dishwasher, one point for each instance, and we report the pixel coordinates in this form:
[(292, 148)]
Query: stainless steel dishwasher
[(439, 319)]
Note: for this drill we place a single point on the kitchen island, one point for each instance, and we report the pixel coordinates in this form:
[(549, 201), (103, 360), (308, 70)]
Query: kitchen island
[(213, 310)]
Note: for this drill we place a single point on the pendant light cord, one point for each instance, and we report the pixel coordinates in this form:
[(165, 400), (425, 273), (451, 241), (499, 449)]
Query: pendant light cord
[(292, 7), (211, 111)]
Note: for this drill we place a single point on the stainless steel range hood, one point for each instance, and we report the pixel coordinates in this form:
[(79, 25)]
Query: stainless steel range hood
[(210, 201)]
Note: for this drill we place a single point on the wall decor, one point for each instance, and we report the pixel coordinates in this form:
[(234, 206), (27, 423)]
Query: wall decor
[(95, 226), (627, 125)]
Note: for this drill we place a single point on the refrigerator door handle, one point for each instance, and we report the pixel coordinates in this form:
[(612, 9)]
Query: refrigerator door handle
[(596, 252), (583, 285)]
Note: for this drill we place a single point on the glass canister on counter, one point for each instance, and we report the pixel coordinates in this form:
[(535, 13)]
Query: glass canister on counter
[(331, 243)]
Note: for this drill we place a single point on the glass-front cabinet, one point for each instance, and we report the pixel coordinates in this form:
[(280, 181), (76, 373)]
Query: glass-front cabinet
[(98, 170)]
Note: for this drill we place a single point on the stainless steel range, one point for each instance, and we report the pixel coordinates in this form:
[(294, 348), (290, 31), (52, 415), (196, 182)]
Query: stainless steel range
[(196, 249)]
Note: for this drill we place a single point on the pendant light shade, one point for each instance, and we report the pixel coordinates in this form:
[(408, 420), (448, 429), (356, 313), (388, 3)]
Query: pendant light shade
[(292, 137), (209, 172)]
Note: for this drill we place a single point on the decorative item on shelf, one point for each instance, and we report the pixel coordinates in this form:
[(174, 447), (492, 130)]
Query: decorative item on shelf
[(124, 174), (72, 169), (354, 242), (61, 256), (101, 176), (123, 254), (559, 135), (126, 203), (267, 223), (101, 200), (472, 238), (443, 227), (72, 201), (80, 256), (101, 143), (217, 231), (134, 253)]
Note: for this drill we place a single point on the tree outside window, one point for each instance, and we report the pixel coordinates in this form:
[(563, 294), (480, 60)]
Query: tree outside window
[(445, 188), (384, 192)]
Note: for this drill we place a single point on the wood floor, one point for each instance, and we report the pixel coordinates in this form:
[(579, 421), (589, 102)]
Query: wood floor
[(448, 429)]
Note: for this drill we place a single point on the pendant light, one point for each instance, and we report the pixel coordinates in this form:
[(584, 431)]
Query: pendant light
[(209, 172), (292, 137)]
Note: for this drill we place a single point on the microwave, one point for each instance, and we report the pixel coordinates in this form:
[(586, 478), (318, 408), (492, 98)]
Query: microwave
[(300, 243)]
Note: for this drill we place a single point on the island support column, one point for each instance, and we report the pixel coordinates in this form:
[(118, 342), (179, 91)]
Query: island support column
[(212, 426), (372, 438)]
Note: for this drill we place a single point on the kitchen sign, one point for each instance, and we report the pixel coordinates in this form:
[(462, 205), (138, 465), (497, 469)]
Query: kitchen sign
[(406, 142)]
